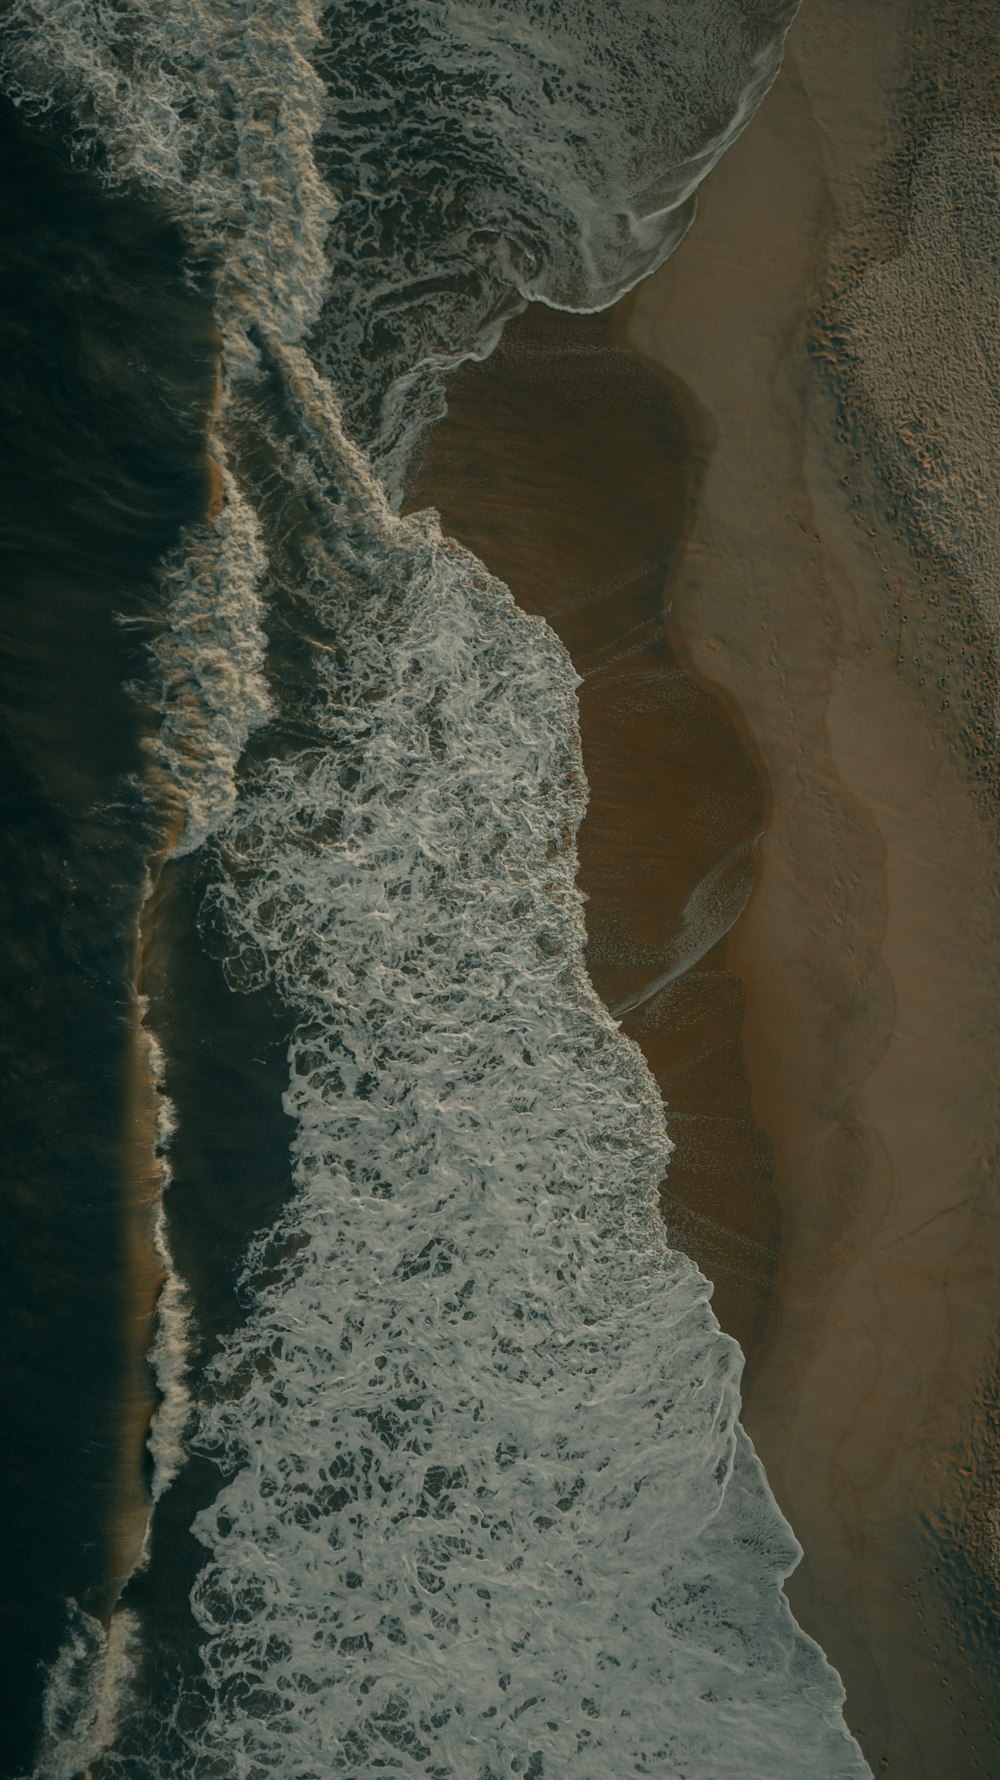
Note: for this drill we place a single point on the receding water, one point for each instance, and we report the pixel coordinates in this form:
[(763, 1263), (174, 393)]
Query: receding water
[(467, 1492)]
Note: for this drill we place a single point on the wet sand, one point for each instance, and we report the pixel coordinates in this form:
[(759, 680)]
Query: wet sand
[(768, 638), (143, 1174), (144, 1177), (571, 470), (854, 996), (862, 664), (143, 1278)]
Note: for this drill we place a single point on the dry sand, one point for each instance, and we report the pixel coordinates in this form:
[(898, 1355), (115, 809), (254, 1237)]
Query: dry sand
[(868, 951)]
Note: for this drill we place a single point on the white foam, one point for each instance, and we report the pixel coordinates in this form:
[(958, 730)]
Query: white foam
[(87, 1691), (491, 1501), (209, 661), (487, 152), (170, 1351), (242, 180), (489, 1509)]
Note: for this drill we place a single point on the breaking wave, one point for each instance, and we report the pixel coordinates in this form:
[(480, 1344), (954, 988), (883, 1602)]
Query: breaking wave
[(485, 1505)]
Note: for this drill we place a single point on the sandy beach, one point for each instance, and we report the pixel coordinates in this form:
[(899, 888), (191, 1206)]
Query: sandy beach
[(868, 949), (771, 646), (786, 826)]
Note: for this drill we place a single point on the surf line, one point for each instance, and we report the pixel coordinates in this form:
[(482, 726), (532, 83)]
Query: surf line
[(144, 1275), (154, 1402)]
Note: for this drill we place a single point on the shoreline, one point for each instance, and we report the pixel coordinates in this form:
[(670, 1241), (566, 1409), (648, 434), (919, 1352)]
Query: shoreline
[(552, 466), (866, 949), (143, 1276), (144, 1172), (789, 712)]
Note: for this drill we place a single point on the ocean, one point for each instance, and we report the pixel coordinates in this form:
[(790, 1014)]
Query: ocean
[(444, 1474)]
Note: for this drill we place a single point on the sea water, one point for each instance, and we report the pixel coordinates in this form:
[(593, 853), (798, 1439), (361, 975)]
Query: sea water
[(483, 1505)]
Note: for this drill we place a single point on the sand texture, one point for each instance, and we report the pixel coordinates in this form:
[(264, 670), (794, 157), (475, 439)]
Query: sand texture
[(771, 568), (821, 586)]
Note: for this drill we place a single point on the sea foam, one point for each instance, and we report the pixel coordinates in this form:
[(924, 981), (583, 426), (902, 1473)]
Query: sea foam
[(485, 1505), (88, 1691), (490, 1502)]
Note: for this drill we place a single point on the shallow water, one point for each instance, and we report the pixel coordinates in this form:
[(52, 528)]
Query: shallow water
[(466, 1460)]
